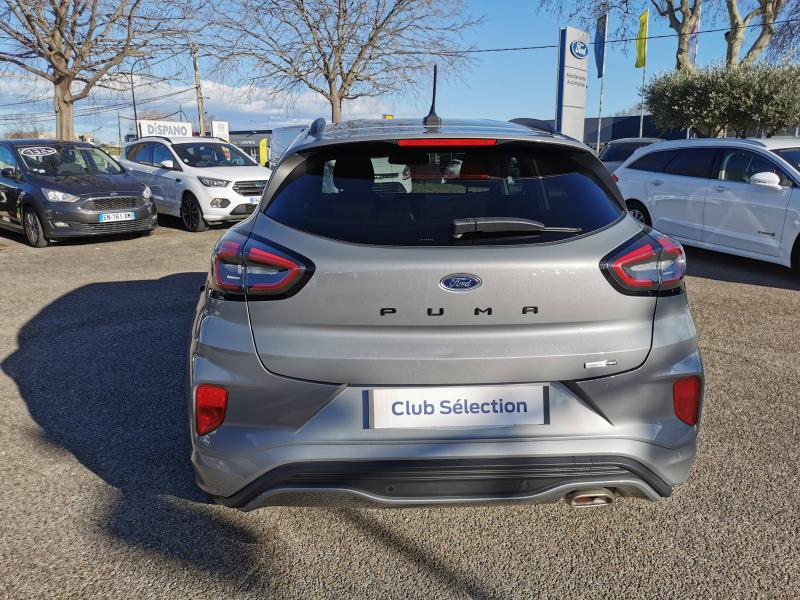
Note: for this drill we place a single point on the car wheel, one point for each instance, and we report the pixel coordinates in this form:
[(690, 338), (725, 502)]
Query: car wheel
[(34, 232), (639, 212), (192, 215)]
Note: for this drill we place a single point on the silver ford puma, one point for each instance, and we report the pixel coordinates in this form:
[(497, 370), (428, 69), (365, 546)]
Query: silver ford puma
[(461, 313)]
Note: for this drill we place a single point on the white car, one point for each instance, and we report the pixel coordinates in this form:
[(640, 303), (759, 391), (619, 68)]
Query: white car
[(740, 196), (201, 180)]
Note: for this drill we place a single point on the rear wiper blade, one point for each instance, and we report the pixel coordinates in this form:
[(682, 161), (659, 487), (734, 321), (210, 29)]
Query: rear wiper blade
[(504, 225)]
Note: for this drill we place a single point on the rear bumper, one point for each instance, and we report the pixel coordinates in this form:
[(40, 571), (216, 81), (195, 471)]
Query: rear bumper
[(433, 481), (290, 441)]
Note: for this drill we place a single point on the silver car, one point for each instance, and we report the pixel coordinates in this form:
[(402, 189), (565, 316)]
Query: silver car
[(506, 332)]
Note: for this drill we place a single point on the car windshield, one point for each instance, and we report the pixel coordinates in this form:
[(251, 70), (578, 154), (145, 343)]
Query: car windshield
[(411, 196), (64, 160), (212, 154), (790, 155), (620, 152)]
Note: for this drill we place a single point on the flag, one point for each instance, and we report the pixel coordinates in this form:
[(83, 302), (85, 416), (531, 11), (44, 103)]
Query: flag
[(641, 41), (600, 44), (693, 38)]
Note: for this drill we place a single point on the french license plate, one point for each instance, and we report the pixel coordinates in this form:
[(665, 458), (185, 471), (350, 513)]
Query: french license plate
[(118, 216), (255, 199), (477, 406)]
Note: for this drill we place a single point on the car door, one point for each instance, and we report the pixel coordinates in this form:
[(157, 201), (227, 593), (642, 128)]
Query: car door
[(677, 195), (140, 161), (10, 188), (166, 183), (742, 215)]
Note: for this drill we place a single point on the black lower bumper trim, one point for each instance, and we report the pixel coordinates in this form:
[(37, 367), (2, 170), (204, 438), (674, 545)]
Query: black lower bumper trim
[(447, 478)]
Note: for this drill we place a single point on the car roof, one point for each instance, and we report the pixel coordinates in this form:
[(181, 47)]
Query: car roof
[(41, 141), (176, 140), (381, 130), (632, 140), (766, 143)]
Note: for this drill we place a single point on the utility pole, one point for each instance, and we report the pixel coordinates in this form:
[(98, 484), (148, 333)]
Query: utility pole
[(201, 115), (119, 133), (135, 116)]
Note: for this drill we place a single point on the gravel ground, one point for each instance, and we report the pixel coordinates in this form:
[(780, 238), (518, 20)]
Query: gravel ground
[(98, 498)]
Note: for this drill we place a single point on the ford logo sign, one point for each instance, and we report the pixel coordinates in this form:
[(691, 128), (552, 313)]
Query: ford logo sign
[(579, 49), (460, 282)]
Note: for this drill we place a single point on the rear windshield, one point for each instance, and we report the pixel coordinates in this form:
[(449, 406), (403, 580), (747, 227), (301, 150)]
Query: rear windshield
[(620, 152), (387, 195)]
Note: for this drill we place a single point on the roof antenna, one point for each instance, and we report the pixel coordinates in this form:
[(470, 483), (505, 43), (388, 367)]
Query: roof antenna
[(433, 120)]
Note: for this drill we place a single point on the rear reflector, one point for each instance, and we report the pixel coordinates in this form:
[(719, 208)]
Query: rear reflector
[(210, 405), (686, 399), (450, 142)]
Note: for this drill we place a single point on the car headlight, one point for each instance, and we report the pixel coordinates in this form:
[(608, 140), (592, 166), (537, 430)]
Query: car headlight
[(211, 182), (56, 196), (146, 193)]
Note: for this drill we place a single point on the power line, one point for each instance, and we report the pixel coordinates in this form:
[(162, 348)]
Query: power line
[(615, 41)]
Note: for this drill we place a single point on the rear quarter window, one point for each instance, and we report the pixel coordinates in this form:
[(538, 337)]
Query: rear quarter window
[(385, 195)]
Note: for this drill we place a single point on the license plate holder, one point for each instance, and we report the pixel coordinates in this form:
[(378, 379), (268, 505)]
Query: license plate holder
[(115, 216), (454, 406)]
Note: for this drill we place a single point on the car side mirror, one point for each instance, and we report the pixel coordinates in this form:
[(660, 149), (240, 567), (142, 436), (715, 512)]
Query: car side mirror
[(9, 173), (766, 179), (167, 164)]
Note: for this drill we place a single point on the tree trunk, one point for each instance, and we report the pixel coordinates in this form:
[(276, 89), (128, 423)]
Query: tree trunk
[(336, 108), (682, 54), (734, 39), (63, 105)]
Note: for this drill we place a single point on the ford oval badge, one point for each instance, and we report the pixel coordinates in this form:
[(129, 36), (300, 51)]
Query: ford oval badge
[(460, 282), (579, 49)]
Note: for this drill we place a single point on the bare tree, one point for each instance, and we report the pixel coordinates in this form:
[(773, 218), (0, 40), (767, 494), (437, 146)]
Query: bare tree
[(24, 128), (767, 12), (76, 44), (683, 15), (340, 49)]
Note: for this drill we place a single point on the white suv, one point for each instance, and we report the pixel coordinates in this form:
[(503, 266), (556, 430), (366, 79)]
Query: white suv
[(740, 196), (201, 180)]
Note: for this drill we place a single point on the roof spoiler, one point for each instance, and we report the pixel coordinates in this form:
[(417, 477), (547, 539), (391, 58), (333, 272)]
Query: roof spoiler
[(537, 124)]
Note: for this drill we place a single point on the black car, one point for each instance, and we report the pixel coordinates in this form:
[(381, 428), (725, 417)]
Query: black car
[(53, 190)]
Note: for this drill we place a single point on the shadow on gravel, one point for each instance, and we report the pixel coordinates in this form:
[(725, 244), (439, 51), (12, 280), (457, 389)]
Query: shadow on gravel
[(409, 549), (735, 269), (103, 372)]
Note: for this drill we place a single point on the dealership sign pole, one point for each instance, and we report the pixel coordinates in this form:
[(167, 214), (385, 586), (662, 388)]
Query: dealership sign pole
[(600, 61), (573, 50)]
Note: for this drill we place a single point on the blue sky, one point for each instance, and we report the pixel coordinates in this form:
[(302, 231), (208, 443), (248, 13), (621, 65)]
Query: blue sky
[(499, 85)]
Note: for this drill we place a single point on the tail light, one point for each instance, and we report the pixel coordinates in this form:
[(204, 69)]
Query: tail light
[(686, 399), (210, 406), (650, 264), (614, 178), (256, 269)]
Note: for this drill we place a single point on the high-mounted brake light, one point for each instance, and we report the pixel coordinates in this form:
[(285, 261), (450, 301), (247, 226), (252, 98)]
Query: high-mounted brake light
[(210, 406), (450, 142), (650, 264), (256, 269)]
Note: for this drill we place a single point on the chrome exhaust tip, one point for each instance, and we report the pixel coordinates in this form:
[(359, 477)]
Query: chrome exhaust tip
[(590, 498)]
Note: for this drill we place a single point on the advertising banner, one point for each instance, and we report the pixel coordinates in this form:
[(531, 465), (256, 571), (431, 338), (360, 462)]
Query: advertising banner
[(165, 128), (219, 129), (573, 53)]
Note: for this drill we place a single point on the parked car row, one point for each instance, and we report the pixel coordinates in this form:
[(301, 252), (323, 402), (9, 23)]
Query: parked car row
[(53, 190), (740, 196)]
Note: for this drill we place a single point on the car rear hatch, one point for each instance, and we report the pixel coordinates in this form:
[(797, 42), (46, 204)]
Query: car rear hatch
[(388, 296)]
